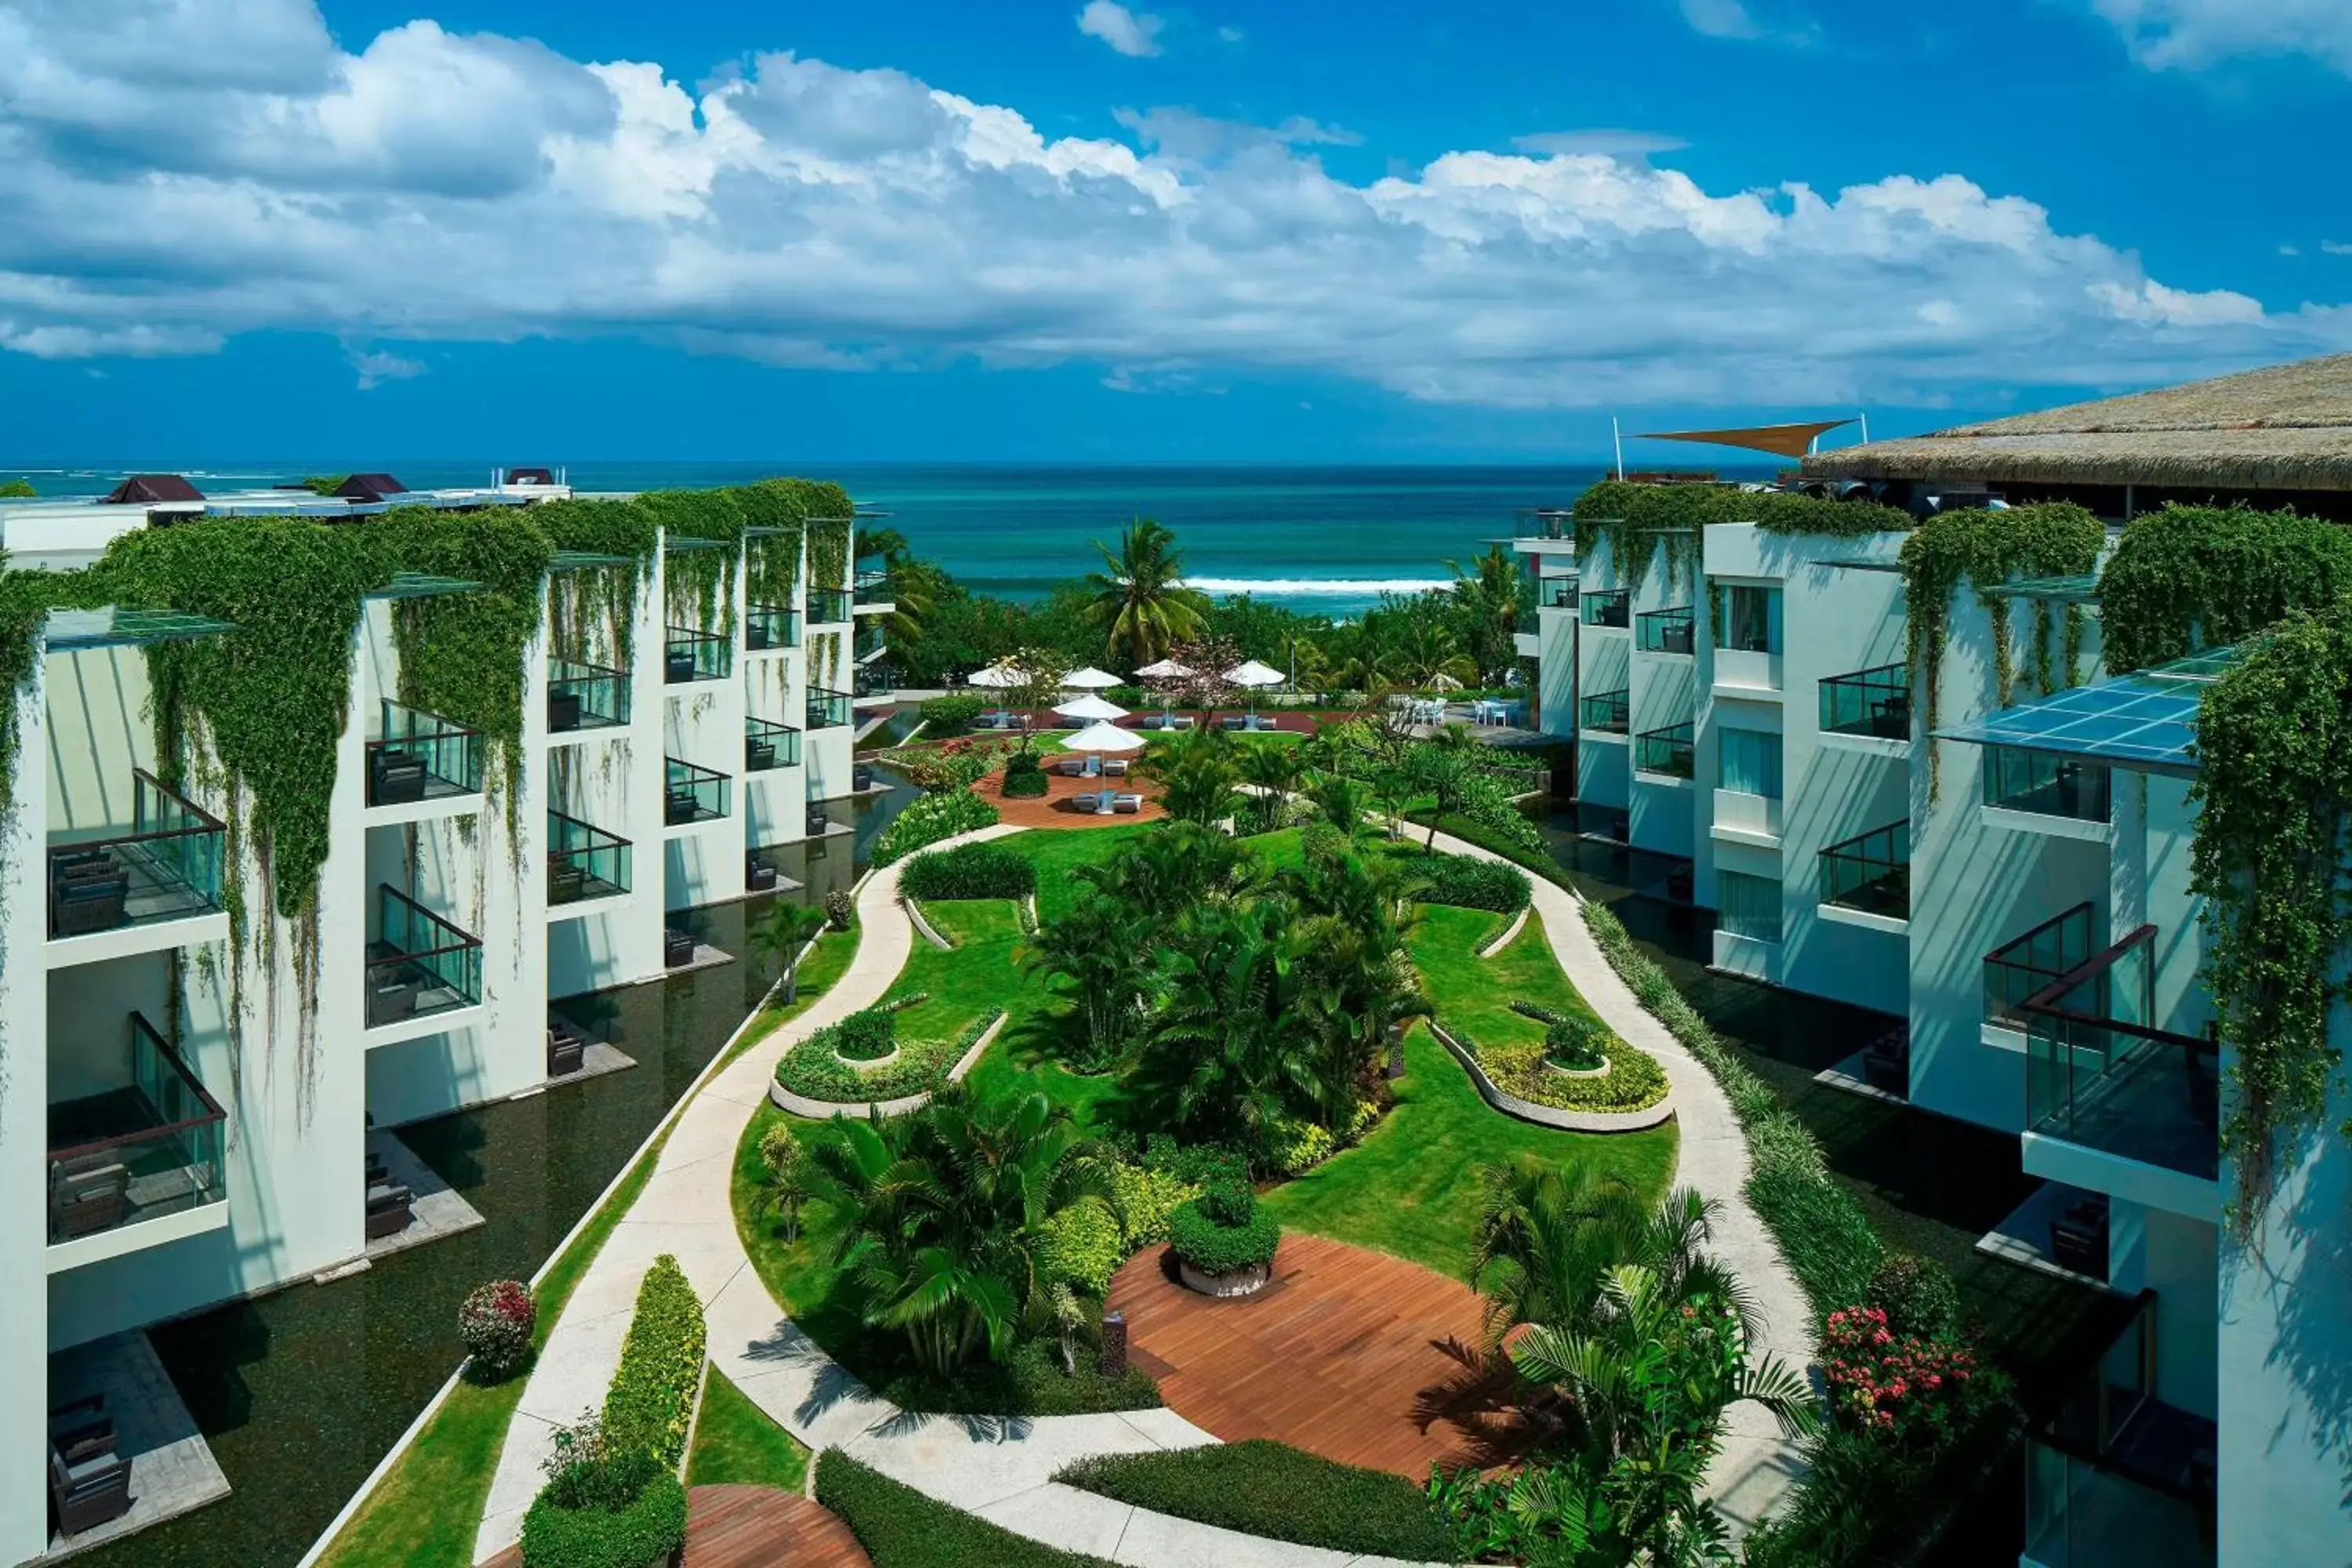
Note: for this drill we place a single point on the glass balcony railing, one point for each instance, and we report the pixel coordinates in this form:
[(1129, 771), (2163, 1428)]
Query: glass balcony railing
[(2098, 1072), (770, 745), (1556, 593), (2016, 780), (167, 868), (693, 793), (1871, 872), (1667, 751), (585, 697), (874, 588), (1548, 523), (689, 655), (421, 756), (140, 1151), (1663, 631), (873, 681), (1607, 607), (872, 641), (2021, 969), (827, 709), (770, 626), (583, 862), (1608, 711), (828, 604), (2117, 1475), (418, 963), (1868, 703)]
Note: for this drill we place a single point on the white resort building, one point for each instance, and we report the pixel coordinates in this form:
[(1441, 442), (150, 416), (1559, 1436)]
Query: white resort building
[(2001, 863), (201, 1096)]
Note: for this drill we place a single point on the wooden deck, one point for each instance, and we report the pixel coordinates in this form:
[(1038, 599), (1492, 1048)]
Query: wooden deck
[(754, 1527), (1354, 1355), (1053, 809)]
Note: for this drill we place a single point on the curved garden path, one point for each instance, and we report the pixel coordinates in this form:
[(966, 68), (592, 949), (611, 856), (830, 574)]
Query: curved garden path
[(1001, 1467)]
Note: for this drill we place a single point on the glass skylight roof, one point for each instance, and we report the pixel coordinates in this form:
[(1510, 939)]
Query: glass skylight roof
[(2079, 590), (114, 626), (2146, 720), (422, 586), (582, 560)]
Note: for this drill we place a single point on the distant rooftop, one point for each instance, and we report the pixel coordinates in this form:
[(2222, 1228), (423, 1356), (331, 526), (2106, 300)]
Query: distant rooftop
[(145, 488)]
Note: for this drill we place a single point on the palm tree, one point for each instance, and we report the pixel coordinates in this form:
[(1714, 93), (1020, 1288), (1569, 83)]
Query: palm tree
[(1196, 774), (1095, 947), (1155, 875), (1487, 599), (780, 938), (1425, 651), (1274, 767), (1443, 769), (1140, 599), (1341, 802)]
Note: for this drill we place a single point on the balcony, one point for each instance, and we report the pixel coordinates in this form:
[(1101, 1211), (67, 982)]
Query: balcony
[(1607, 607), (1667, 751), (1746, 817), (419, 963), (421, 757), (827, 605), (1548, 523), (2045, 785), (137, 1152), (167, 868), (1665, 631), (583, 862), (2018, 971), (585, 697), (769, 627), (692, 793), (872, 642), (768, 745), (827, 709), (1870, 873), (873, 588), (2117, 1476), (1556, 593), (1608, 712), (873, 680), (1873, 702), (2100, 1074), (690, 656)]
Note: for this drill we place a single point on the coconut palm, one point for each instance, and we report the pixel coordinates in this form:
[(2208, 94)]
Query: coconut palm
[(1487, 599), (1196, 774), (1341, 802), (1424, 651), (1140, 599), (780, 938), (1274, 767), (1155, 875), (1095, 947)]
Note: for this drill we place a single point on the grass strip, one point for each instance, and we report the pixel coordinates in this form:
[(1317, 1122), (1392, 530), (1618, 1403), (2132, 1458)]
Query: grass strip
[(736, 1444), (901, 1527), (1271, 1490)]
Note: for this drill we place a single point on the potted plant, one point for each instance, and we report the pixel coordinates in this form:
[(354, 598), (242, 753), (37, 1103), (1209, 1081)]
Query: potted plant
[(1224, 1242)]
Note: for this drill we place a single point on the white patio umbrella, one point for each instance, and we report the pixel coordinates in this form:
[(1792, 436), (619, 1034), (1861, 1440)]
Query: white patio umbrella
[(1104, 737), (1251, 675), (998, 675), (1165, 669), (1089, 706), (1089, 679)]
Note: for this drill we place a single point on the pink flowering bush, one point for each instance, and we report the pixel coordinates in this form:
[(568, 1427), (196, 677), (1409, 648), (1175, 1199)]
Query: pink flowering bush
[(496, 1322), (1896, 1385)]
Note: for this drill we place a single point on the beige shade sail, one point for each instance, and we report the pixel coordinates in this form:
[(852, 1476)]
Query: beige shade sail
[(1783, 440)]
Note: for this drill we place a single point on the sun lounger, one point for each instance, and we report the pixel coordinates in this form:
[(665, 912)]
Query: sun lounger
[(1130, 803), (1115, 766)]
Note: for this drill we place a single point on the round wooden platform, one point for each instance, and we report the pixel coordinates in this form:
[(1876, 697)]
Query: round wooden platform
[(754, 1527)]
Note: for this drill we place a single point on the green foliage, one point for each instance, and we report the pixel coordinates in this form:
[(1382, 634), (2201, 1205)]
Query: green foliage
[(1630, 519), (1295, 1147), (322, 484), (738, 1443), (1025, 779), (1578, 1042), (1917, 1295), (1469, 883), (651, 1404), (1083, 1245), (901, 1527), (699, 585), (1143, 1196), (2187, 578), (2274, 801), (1224, 1230), (983, 870), (954, 712), (1634, 1081), (591, 614), (1986, 547), (814, 1070), (934, 816), (1140, 605), (866, 1035), (828, 550), (17, 489), (644, 1530), (1277, 1492)]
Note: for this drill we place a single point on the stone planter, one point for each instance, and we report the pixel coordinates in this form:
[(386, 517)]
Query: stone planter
[(1600, 1072), (1241, 1282), (867, 1064)]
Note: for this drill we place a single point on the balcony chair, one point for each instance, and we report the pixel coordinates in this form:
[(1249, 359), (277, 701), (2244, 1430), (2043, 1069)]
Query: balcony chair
[(389, 1209), (1679, 885), (563, 711), (80, 1429), (394, 985), (759, 756), (759, 877), (755, 635), (566, 879), (2078, 1238), (817, 822), (1890, 717), (566, 1049), (394, 778), (88, 1193), (1887, 1062), (677, 949), (90, 894), (677, 666), (680, 806), (86, 1494), (861, 778)]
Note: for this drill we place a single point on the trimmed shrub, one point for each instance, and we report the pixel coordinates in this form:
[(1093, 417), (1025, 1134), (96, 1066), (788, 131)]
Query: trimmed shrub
[(1319, 840), (1082, 1244), (605, 1510), (984, 871), (1295, 1147), (867, 1034), (814, 1071), (929, 819), (1224, 1231), (496, 1324), (1023, 779), (1577, 1041), (1918, 1296), (651, 1404), (839, 909), (1471, 884), (902, 1528), (1143, 1198), (1198, 1164), (1274, 1490), (954, 712)]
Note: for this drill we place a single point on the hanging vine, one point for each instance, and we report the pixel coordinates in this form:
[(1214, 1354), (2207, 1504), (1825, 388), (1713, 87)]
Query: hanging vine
[(1630, 520), (1986, 547), (828, 551), (771, 559), (2187, 578), (699, 585), (2273, 799), (592, 612)]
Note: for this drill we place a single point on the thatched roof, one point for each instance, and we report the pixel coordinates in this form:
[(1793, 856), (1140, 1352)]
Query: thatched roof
[(2283, 427)]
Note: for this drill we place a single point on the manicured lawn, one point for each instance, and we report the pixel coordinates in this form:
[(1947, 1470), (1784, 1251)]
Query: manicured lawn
[(1058, 852), (735, 1442), (819, 971), (1477, 992), (1410, 1187), (968, 981)]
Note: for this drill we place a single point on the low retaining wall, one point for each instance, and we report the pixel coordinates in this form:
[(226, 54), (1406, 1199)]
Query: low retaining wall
[(822, 1110), (1552, 1115), (922, 923), (1513, 930)]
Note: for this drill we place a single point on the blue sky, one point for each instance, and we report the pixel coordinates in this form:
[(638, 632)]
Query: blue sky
[(1237, 231)]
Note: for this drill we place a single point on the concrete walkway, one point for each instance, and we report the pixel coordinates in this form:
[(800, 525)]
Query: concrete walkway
[(1756, 1466)]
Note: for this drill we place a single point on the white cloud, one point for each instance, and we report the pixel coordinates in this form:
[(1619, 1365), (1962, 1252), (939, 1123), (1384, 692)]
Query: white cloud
[(1721, 18), (1126, 32), (1606, 143), (377, 367), (2186, 34), (796, 213), (2336, 248), (1228, 35)]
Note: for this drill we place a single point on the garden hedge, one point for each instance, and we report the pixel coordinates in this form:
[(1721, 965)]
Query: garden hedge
[(901, 1527), (1271, 1490), (930, 818), (867, 1034), (1467, 883), (954, 712), (651, 1404), (643, 1532), (983, 870)]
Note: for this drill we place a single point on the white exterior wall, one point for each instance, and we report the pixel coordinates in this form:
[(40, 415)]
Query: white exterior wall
[(1665, 691), (24, 1139), (1554, 639), (1604, 662)]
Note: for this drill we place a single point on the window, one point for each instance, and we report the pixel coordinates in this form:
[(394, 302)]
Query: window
[(1752, 906), (1749, 619), (1750, 762)]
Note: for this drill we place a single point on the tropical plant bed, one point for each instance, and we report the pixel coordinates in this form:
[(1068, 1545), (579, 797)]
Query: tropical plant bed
[(1627, 1081), (1278, 1492), (815, 1070)]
